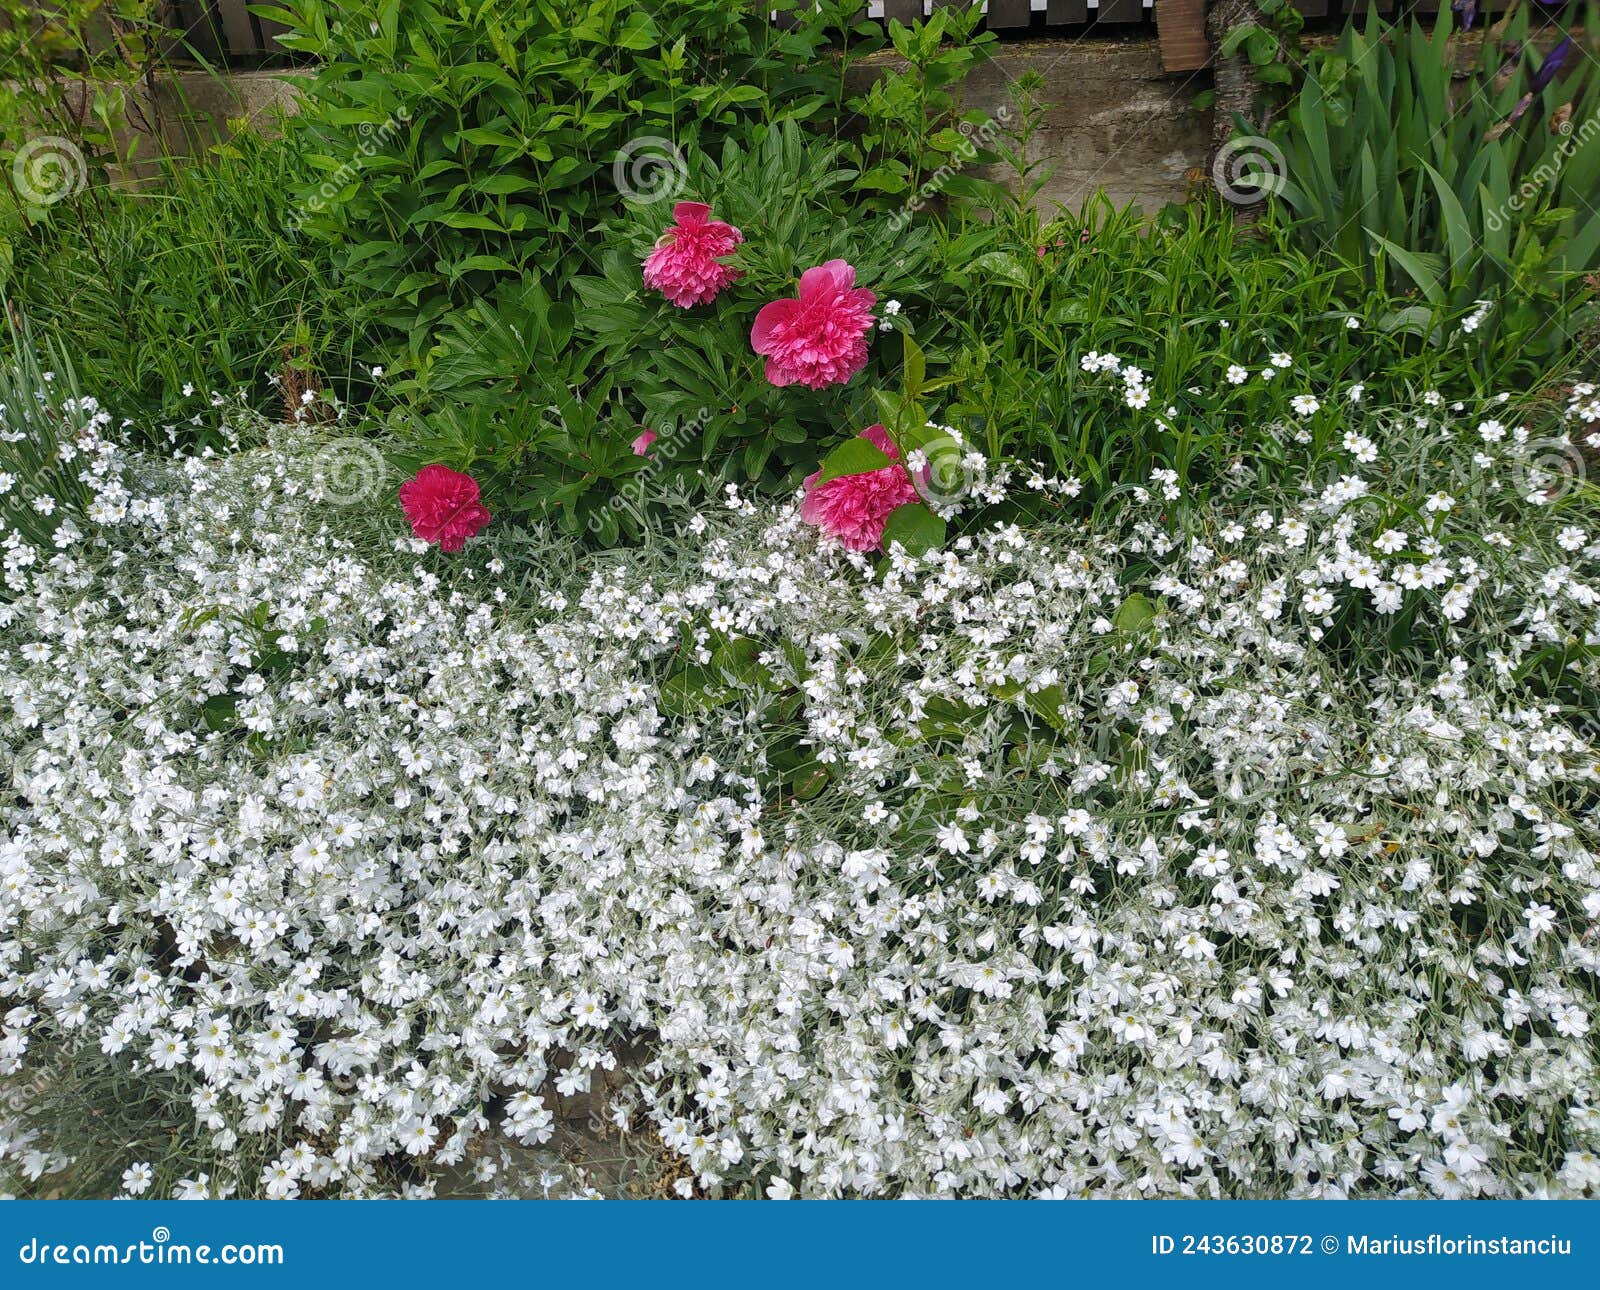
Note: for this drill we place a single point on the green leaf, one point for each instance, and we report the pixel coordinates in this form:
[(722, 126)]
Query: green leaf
[(477, 262), (915, 528), (808, 780), (916, 367), (1134, 614), (1458, 234), (886, 177), (853, 457), (735, 660), (1002, 267), (891, 410), (689, 691), (1426, 270), (467, 219), (220, 712)]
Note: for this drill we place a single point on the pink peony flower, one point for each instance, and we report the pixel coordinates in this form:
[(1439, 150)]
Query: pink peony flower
[(641, 445), (685, 266), (854, 508), (443, 506), (821, 338)]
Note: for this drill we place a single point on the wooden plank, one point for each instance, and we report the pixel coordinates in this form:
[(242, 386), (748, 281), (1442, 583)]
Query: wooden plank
[(905, 10), (270, 29), (1119, 13), (1181, 28), (237, 28), (1006, 15), (200, 30), (1067, 12)]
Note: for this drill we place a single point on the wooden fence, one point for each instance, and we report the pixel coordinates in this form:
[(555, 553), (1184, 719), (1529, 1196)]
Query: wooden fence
[(226, 32)]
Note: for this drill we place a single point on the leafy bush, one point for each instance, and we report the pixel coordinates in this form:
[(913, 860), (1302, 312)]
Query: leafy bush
[(1100, 346), (911, 121), (691, 374), (1461, 194), (457, 148)]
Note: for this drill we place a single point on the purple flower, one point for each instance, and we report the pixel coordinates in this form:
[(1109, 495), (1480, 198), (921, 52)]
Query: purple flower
[(1553, 63)]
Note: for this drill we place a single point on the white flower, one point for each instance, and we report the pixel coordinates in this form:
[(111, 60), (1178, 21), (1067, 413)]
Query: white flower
[(925, 875), (136, 1178)]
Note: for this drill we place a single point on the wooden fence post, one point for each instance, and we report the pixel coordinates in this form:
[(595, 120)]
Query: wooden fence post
[(1181, 27)]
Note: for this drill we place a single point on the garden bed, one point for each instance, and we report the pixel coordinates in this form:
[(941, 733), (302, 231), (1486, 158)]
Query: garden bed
[(713, 649)]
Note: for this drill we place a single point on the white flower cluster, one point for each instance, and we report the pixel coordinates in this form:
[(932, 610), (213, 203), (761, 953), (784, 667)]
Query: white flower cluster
[(78, 459), (1062, 861)]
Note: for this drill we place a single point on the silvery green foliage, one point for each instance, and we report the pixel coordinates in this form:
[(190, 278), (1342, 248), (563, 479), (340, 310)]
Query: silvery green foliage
[(352, 852)]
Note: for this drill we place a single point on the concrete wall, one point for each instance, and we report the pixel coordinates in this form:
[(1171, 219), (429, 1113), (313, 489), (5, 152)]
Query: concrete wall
[(1115, 120)]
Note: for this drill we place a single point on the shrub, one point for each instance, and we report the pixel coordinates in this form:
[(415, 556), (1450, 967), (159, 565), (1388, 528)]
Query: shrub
[(460, 148)]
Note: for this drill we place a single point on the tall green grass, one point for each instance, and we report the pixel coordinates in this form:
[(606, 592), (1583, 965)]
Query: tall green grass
[(196, 279)]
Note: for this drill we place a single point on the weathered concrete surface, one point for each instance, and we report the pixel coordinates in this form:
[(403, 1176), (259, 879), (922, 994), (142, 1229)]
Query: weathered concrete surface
[(1115, 120), (212, 107), (185, 113)]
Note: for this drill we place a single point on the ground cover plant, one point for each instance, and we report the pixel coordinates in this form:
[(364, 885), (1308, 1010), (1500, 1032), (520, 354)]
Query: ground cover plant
[(884, 687), (1253, 857)]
